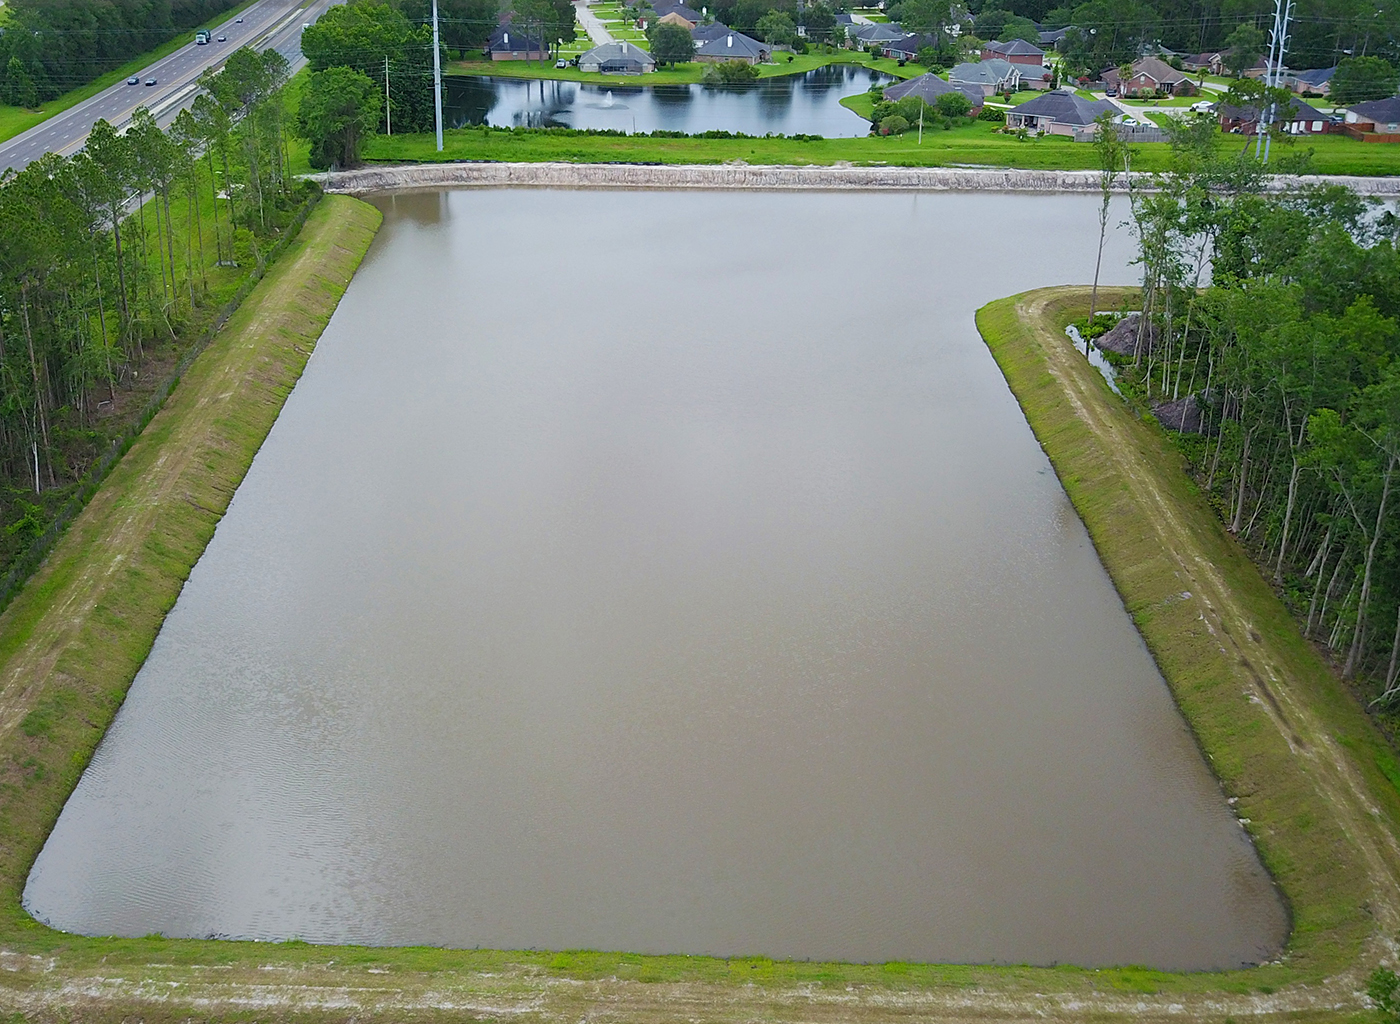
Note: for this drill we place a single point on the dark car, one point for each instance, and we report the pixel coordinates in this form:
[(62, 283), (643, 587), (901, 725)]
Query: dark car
[(150, 81), (133, 80)]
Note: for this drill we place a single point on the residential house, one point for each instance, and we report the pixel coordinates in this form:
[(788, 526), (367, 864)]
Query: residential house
[(673, 14), (1212, 62), (1296, 118), (1151, 76), (929, 87), (1017, 51), (1051, 40), (881, 35), (909, 46), (617, 58), (1060, 112), (1317, 81), (1374, 120), (508, 43), (734, 46), (704, 33), (991, 76)]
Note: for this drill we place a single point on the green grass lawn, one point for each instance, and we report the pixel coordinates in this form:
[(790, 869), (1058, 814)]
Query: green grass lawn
[(14, 120), (861, 103), (873, 13), (975, 144)]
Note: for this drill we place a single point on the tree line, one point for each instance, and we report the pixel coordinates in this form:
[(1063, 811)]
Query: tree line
[(113, 261), (1271, 333), (50, 46)]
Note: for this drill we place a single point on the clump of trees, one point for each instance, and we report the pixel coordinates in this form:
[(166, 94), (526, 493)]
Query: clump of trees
[(1290, 360), (894, 117), (1358, 79), (1105, 33), (113, 261), (670, 44), (361, 36)]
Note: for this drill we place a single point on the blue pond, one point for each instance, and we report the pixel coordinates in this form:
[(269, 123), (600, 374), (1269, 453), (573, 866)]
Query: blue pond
[(806, 104)]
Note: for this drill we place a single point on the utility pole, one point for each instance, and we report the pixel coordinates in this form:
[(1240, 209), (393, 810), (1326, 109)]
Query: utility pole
[(1277, 69), (388, 111), (1278, 45), (437, 79)]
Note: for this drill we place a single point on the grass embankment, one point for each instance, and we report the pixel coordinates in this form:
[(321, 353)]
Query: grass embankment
[(975, 144), (71, 640), (688, 73), (14, 120), (1280, 730)]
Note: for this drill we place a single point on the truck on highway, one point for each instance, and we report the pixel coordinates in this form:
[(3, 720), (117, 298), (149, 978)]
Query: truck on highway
[(201, 37)]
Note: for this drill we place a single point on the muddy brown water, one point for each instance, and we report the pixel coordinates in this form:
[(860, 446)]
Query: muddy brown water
[(667, 572)]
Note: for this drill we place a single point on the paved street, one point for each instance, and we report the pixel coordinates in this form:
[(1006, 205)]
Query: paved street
[(275, 23), (591, 24)]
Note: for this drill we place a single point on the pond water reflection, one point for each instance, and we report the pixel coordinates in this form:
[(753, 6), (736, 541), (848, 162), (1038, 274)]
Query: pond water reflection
[(669, 572), (806, 104)]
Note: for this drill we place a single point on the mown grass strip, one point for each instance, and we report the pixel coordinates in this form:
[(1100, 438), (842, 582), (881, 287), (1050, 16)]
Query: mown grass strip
[(975, 144)]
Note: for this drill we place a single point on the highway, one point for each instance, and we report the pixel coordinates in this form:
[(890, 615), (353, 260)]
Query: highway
[(268, 23)]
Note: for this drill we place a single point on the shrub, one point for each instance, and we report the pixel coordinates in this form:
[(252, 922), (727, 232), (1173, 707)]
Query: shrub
[(894, 125), (993, 114), (954, 104), (729, 72)]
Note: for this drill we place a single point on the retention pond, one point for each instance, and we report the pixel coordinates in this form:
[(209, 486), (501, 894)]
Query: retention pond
[(671, 573), (805, 104)]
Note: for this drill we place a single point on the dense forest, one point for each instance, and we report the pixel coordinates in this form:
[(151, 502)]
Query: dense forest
[(1285, 373), (113, 263)]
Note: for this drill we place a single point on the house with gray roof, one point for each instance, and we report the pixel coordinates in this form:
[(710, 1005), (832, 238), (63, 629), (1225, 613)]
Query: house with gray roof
[(1060, 112), (733, 46), (1016, 51), (617, 58), (1296, 117), (1375, 120), (991, 76), (888, 32), (704, 33), (1316, 80), (929, 87), (508, 43)]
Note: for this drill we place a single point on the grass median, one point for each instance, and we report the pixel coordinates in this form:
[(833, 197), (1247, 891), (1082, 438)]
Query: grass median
[(1283, 735)]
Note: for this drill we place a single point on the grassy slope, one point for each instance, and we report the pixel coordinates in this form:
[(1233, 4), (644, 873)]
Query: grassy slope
[(14, 120), (1279, 728), (1300, 755), (976, 144), (71, 639)]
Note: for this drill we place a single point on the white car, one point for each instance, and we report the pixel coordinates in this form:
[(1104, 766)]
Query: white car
[(1202, 107)]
